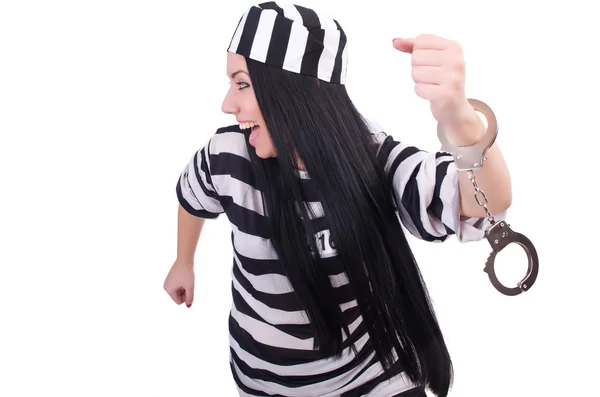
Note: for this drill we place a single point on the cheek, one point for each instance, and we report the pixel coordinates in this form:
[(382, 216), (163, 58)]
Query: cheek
[(266, 146)]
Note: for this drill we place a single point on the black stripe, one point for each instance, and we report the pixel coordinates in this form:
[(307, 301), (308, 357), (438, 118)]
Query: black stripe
[(410, 194), (309, 191), (271, 5), (205, 190), (280, 35), (259, 266), (233, 165), (415, 392), (229, 128), (280, 38), (245, 388), (199, 213), (300, 331), (287, 301), (365, 388), (385, 150), (310, 18), (247, 220), (312, 52), (250, 27), (292, 381), (336, 76), (274, 355), (479, 223), (411, 198), (400, 158), (206, 171), (331, 265), (237, 27), (437, 207)]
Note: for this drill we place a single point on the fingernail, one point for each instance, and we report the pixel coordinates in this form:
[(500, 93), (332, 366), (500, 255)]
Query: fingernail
[(190, 305)]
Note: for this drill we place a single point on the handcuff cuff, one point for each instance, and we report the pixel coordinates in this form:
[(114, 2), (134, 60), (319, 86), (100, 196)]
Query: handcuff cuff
[(471, 158)]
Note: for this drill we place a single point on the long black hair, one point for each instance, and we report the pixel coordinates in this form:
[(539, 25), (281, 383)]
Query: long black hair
[(316, 121)]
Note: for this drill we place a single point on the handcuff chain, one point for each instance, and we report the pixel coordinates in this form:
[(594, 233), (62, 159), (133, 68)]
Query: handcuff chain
[(500, 235), (490, 217)]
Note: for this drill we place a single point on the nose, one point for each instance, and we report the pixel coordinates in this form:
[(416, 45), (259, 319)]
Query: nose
[(229, 106)]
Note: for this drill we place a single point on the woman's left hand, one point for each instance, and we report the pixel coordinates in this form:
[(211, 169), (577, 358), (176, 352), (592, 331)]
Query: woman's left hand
[(438, 70)]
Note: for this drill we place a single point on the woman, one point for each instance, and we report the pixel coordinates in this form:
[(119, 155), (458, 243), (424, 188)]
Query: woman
[(327, 297)]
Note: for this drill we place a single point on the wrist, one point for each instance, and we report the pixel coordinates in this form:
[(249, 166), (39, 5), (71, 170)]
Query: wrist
[(468, 128), (185, 262)]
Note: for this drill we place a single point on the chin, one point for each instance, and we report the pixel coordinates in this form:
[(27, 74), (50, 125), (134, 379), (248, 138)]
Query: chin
[(264, 154)]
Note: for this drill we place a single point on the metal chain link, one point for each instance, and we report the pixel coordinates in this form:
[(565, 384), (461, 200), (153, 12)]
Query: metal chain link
[(477, 191)]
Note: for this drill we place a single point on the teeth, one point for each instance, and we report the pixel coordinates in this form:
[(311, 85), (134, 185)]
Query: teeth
[(245, 126)]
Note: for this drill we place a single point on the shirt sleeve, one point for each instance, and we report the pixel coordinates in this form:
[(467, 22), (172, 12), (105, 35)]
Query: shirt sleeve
[(426, 191), (196, 191)]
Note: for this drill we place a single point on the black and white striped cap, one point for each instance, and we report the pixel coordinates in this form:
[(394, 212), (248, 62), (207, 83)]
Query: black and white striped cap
[(293, 38)]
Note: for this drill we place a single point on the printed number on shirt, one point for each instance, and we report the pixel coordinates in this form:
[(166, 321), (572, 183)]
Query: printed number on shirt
[(325, 244)]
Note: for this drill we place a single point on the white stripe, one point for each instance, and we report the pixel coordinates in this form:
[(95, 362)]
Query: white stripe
[(344, 64), (464, 228), (242, 194), (425, 184), (253, 247), (269, 335), (270, 315), (314, 209), (348, 305), (395, 385), (331, 43), (339, 280), (235, 41), (204, 202), (426, 181), (449, 190), (275, 284), (327, 388), (262, 39), (290, 11), (310, 368), (326, 20), (296, 46), (276, 316), (229, 142)]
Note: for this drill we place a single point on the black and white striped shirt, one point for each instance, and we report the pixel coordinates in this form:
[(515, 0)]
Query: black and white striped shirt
[(270, 340)]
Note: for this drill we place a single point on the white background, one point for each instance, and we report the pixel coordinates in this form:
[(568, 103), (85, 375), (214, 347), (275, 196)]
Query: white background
[(103, 103)]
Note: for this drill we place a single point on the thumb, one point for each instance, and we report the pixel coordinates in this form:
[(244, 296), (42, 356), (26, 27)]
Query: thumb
[(404, 45), (189, 295)]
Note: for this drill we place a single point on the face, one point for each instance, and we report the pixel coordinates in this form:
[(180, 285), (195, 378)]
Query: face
[(240, 101)]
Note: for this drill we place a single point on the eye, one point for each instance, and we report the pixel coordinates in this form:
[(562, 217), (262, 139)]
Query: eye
[(243, 85)]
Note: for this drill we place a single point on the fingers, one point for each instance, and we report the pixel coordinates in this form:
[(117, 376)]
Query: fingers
[(427, 75), (427, 58), (178, 295)]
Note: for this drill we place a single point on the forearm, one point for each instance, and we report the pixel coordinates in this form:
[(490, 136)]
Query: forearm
[(492, 178), (189, 228)]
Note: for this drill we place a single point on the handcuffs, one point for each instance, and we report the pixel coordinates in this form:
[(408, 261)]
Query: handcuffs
[(470, 158)]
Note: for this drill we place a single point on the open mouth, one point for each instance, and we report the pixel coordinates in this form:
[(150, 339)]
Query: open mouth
[(254, 130)]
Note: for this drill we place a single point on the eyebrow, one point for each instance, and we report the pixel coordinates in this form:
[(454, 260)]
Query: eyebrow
[(236, 73)]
